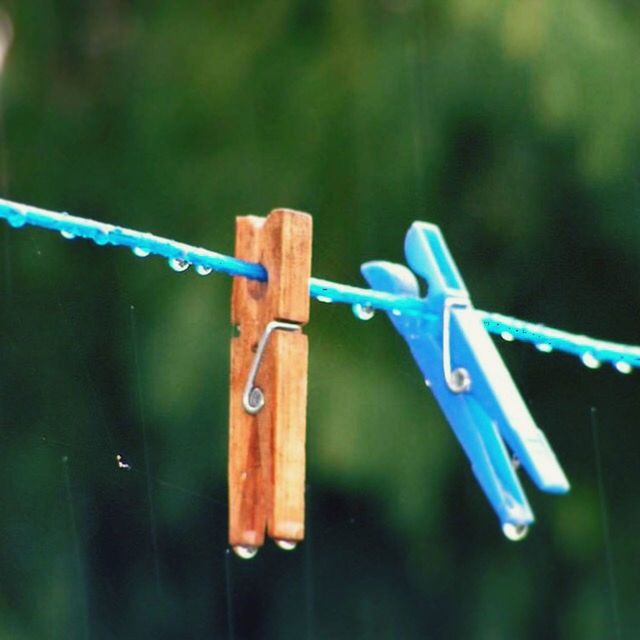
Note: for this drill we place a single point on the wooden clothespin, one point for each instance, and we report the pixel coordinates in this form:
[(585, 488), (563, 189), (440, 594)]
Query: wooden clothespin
[(269, 354)]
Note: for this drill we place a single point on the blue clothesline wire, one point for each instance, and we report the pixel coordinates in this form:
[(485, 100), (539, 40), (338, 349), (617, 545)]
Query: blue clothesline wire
[(591, 351)]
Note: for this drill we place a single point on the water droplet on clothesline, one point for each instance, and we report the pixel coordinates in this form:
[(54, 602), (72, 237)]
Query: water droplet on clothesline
[(545, 347), (286, 545), (325, 299), (140, 252), (396, 312), (507, 336), (246, 552), (17, 218), (623, 366), (589, 360), (514, 532), (67, 235), (122, 463), (203, 270), (178, 264), (363, 311)]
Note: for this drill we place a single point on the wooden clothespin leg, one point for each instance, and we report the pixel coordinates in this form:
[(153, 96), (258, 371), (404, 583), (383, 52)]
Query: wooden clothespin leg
[(269, 354)]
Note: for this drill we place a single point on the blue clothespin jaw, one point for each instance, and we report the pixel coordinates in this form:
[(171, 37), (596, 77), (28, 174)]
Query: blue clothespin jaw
[(469, 379)]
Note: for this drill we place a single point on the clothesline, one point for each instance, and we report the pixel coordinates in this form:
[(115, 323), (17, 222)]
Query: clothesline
[(181, 256)]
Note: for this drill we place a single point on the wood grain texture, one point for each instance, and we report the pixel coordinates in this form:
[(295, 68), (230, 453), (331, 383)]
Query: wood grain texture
[(247, 508), (267, 451)]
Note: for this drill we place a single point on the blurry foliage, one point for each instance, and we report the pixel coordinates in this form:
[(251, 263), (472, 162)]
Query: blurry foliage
[(511, 124)]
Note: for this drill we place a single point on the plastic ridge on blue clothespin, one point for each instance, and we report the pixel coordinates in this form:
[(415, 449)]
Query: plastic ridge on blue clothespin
[(469, 379)]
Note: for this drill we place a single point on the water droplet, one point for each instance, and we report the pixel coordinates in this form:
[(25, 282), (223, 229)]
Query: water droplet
[(122, 464), (623, 366), (140, 252), (326, 299), (202, 270), (101, 236), (507, 336), (515, 462), (17, 218), (396, 312), (589, 360), (363, 311), (287, 545), (514, 532), (67, 235), (246, 552), (427, 382), (178, 264), (545, 347)]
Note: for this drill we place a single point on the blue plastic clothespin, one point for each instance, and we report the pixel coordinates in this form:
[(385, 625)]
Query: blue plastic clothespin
[(469, 379)]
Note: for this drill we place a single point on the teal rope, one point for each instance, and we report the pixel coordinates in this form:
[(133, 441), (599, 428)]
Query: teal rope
[(180, 256)]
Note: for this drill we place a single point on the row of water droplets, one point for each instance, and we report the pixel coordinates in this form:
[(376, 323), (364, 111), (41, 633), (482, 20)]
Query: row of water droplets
[(366, 312), (588, 358), (18, 218), (246, 551), (363, 311), (177, 264)]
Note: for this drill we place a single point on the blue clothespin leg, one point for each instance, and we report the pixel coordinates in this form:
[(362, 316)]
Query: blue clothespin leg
[(469, 379)]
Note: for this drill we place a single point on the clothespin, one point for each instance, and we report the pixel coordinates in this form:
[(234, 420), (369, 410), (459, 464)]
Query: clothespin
[(269, 354), (469, 379)]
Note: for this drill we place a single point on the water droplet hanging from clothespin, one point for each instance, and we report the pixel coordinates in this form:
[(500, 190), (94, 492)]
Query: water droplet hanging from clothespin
[(202, 270), (515, 532), (269, 353), (287, 545), (140, 252), (246, 552), (544, 347)]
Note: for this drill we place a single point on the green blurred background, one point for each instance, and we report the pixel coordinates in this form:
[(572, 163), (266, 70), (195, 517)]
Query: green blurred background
[(513, 125)]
